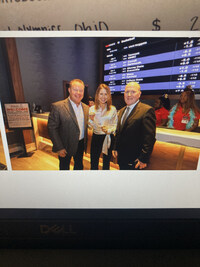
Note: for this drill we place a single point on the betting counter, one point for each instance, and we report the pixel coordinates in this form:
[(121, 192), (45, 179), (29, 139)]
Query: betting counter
[(173, 150)]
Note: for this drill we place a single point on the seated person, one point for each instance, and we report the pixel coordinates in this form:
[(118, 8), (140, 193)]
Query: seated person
[(162, 106), (185, 114)]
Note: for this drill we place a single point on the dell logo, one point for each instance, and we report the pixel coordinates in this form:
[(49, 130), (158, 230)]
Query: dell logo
[(56, 229)]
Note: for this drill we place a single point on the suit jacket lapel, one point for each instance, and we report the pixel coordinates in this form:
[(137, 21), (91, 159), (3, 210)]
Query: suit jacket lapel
[(131, 115), (120, 117), (70, 109), (85, 116), (134, 110)]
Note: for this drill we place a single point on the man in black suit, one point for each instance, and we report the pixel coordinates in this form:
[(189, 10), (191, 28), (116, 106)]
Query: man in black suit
[(135, 134), (67, 126)]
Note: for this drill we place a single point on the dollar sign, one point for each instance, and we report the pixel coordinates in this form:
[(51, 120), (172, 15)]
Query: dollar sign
[(155, 23)]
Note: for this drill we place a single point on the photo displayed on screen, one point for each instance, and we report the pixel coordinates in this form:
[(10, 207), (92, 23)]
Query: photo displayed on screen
[(101, 103)]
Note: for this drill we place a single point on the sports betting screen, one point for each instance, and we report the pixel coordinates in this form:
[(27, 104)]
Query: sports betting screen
[(159, 65)]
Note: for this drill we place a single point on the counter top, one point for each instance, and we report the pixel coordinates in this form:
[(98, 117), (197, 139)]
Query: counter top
[(185, 138), (44, 115)]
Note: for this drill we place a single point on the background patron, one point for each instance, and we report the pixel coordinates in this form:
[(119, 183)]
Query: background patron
[(162, 107), (185, 114)]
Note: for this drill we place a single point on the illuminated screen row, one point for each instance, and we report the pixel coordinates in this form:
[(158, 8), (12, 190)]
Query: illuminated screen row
[(158, 64)]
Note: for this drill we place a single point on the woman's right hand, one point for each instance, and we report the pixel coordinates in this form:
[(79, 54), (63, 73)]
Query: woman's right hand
[(104, 129)]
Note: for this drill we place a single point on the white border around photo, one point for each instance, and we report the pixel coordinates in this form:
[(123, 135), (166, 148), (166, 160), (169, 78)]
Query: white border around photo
[(98, 189)]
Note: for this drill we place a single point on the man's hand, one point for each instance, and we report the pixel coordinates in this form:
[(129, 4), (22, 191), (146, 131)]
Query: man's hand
[(62, 153), (140, 164), (114, 153)]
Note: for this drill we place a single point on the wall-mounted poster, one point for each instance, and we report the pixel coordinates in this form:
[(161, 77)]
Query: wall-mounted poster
[(18, 115)]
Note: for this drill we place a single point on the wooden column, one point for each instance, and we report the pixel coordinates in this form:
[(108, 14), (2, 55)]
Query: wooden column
[(13, 62), (16, 79)]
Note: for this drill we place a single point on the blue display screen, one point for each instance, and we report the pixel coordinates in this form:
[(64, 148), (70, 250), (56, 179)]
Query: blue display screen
[(157, 64)]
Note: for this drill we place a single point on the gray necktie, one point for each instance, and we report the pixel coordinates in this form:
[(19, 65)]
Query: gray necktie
[(125, 115)]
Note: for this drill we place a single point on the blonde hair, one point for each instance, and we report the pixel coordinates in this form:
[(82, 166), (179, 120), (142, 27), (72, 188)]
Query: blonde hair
[(76, 81), (133, 84), (109, 101)]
